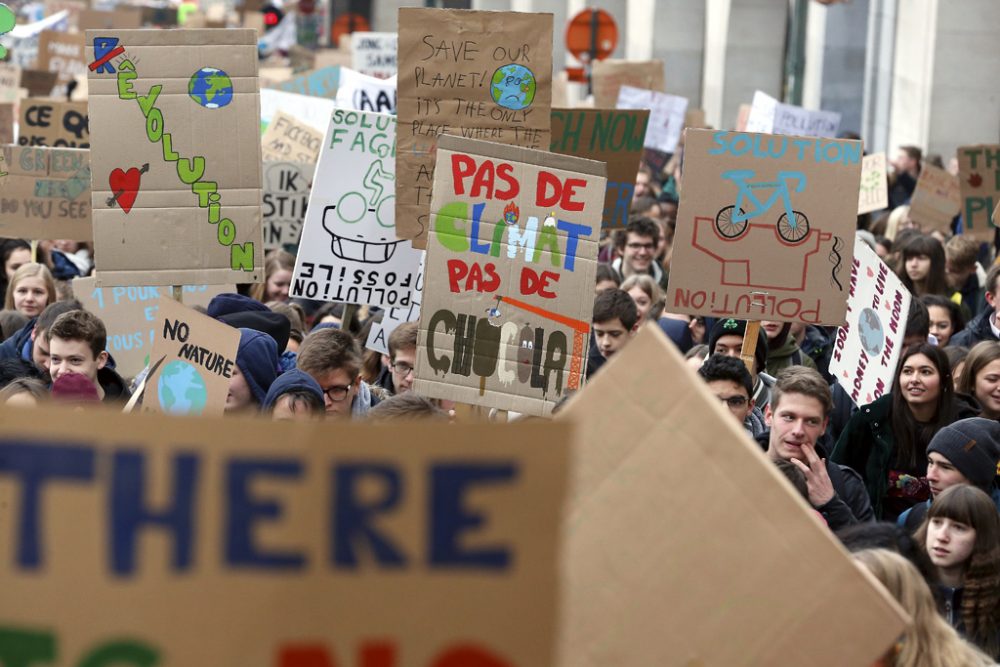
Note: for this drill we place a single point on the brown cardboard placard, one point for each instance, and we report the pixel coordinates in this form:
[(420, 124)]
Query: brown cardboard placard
[(936, 200), (53, 123), (645, 448), (6, 122), (122, 18), (874, 192), (509, 275), (176, 198), (173, 526), (286, 198), (194, 355), (695, 118), (10, 82), (449, 59), (979, 180), (129, 315), (288, 139), (45, 193), (323, 58), (787, 256), (38, 82), (74, 7), (62, 53), (612, 136), (607, 76)]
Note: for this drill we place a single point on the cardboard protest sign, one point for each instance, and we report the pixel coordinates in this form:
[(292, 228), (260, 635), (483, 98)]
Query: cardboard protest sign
[(288, 139), (172, 528), (130, 316), (315, 83), (10, 82), (176, 158), (937, 199), (979, 178), (365, 93), (314, 111), (37, 82), (349, 251), (194, 357), (6, 122), (644, 449), (74, 9), (53, 123), (286, 196), (477, 74), (874, 192), (666, 115), (608, 76), (614, 137), (374, 53), (62, 53), (770, 116), (45, 193), (378, 335), (508, 290), (122, 18), (867, 348), (765, 229)]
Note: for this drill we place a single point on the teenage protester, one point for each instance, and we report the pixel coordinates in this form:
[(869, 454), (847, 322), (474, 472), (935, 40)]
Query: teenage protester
[(278, 269), (726, 337), (13, 253), (255, 370), (615, 322), (730, 381), (31, 288), (76, 344), (962, 537), (945, 315), (398, 366), (25, 392), (782, 348), (800, 403), (921, 267), (981, 378), (333, 358), (966, 452), (294, 395), (886, 441), (405, 407), (885, 535), (965, 275), (605, 278), (905, 172), (984, 325), (29, 342), (642, 236)]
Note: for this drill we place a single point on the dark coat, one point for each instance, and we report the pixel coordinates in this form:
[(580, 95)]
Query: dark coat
[(976, 331), (19, 345), (115, 389)]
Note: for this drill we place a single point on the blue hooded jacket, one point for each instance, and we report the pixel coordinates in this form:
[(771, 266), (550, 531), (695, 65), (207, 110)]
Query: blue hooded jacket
[(257, 358)]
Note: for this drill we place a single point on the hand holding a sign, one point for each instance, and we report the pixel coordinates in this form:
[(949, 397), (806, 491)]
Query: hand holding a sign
[(817, 478)]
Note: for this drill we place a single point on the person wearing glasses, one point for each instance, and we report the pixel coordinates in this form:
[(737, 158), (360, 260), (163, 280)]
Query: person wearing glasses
[(638, 255), (398, 366), (333, 358), (730, 381)]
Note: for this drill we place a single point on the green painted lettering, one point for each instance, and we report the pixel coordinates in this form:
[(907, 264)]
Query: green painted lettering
[(449, 233), (190, 170)]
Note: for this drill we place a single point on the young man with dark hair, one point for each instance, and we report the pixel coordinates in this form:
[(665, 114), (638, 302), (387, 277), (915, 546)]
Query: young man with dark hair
[(76, 342), (984, 326), (730, 381), (638, 252), (333, 358), (615, 321), (726, 338), (398, 366)]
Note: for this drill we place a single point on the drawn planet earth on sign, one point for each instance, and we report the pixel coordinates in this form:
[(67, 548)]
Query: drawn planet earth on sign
[(513, 87), (181, 389), (871, 332), (211, 88)]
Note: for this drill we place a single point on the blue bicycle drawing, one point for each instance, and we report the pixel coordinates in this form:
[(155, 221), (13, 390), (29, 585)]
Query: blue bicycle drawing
[(732, 221)]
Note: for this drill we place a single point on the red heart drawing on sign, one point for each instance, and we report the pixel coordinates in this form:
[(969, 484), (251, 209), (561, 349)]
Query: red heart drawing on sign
[(124, 187), (846, 375), (871, 272)]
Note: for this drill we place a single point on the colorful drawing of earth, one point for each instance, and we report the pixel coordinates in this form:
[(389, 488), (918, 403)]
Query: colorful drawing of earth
[(181, 388), (871, 332), (513, 87), (211, 88)]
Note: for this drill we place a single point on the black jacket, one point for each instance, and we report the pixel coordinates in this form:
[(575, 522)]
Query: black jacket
[(976, 331), (850, 504), (115, 389)]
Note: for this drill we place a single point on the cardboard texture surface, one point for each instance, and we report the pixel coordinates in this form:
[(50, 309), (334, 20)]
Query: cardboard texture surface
[(176, 168), (271, 540), (74, 9), (614, 137), (53, 123), (349, 250), (509, 283), (315, 83), (195, 356), (10, 83), (769, 116), (745, 564), (874, 192), (867, 348), (937, 200), (122, 18), (6, 122), (759, 264), (608, 76), (979, 180), (366, 93), (129, 315), (374, 53), (477, 74), (287, 139), (45, 193), (286, 197), (37, 82), (62, 53), (666, 116)]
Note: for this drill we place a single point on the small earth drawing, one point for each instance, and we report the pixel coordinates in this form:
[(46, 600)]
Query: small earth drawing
[(513, 87), (181, 389), (871, 332), (211, 88)]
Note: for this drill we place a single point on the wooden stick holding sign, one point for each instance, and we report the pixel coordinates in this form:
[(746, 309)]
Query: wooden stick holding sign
[(750, 344)]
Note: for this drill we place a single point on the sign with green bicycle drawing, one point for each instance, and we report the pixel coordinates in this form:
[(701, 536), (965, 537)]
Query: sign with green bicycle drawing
[(765, 229)]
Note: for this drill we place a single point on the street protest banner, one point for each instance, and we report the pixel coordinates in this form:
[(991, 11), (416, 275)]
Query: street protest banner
[(314, 111), (210, 541), (176, 159), (288, 139), (477, 74), (349, 250), (614, 137), (45, 193), (62, 53), (194, 357), (874, 192), (375, 53), (937, 199), (765, 229), (6, 122), (365, 93), (645, 448), (286, 197), (37, 82), (315, 83), (509, 283), (666, 115), (53, 123), (129, 315), (608, 76), (769, 116), (979, 179), (378, 335), (867, 348), (10, 83)]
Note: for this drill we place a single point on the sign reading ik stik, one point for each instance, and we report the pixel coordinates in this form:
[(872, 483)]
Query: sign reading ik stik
[(765, 229), (247, 542), (508, 290), (349, 251), (175, 125)]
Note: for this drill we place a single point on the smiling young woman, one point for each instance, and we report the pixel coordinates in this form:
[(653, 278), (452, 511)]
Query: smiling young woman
[(981, 377)]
